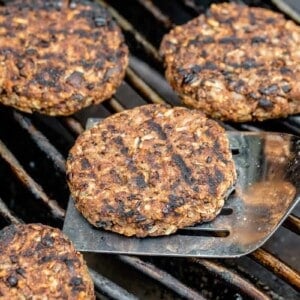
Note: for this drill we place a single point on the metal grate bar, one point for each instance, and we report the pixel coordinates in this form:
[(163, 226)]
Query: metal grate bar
[(143, 87), (278, 267), (109, 288), (191, 4), (157, 13), (163, 277), (126, 26), (33, 186), (7, 214), (73, 125), (287, 9), (292, 223), (40, 139), (294, 127), (118, 107), (232, 278)]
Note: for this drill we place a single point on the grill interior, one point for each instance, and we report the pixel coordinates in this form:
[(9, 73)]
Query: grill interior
[(33, 149)]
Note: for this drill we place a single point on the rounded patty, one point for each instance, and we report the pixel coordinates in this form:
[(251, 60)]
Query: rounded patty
[(39, 262), (236, 63), (151, 170), (56, 59)]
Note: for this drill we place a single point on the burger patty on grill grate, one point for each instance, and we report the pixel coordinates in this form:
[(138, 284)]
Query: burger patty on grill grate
[(236, 63), (151, 170), (57, 59), (39, 262)]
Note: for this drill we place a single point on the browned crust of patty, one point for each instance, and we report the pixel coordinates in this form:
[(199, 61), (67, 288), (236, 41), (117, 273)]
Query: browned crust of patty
[(57, 60), (151, 170), (236, 63), (39, 262)]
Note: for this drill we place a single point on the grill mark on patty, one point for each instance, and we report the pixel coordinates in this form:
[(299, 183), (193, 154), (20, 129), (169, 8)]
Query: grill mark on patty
[(247, 64), (48, 77), (230, 40), (218, 152), (190, 76), (139, 179), (265, 104), (201, 41), (272, 89), (157, 128), (185, 171), (214, 180), (252, 18), (285, 71), (6, 236), (174, 202), (51, 55), (258, 40), (85, 164)]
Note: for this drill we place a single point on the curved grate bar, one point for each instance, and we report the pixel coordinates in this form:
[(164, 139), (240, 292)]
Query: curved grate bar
[(33, 186), (163, 277), (7, 214), (278, 267), (108, 288), (192, 5), (73, 125), (287, 9), (116, 105), (292, 223), (126, 26), (157, 13), (141, 86), (232, 278), (42, 142)]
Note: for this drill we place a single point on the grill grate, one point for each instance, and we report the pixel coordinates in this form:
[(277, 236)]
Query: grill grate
[(42, 131)]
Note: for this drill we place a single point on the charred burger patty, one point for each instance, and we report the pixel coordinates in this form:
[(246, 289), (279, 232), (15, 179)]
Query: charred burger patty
[(236, 63), (57, 59), (39, 262), (151, 170)]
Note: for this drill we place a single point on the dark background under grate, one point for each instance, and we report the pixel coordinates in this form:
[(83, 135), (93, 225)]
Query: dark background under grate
[(33, 187)]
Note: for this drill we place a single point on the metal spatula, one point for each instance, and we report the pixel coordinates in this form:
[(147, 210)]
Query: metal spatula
[(268, 188)]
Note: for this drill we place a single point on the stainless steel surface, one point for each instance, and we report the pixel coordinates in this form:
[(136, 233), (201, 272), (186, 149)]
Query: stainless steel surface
[(290, 7), (267, 190)]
